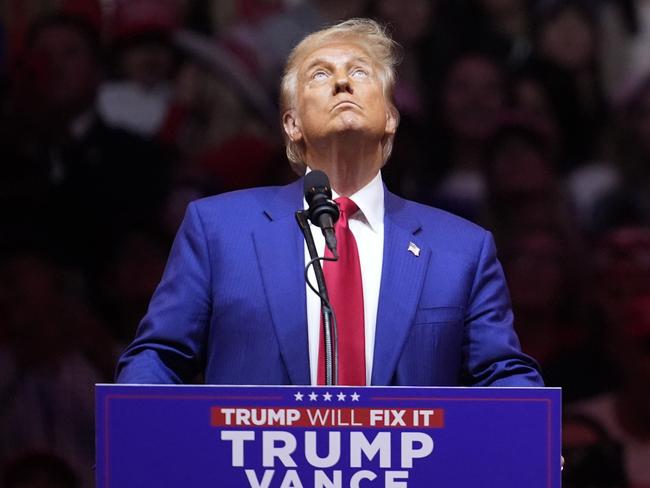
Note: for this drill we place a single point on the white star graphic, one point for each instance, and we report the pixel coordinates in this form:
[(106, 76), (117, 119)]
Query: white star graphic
[(341, 396), (298, 396), (355, 397), (313, 396), (327, 396)]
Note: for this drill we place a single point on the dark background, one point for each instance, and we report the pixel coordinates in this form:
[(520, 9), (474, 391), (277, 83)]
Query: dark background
[(529, 117)]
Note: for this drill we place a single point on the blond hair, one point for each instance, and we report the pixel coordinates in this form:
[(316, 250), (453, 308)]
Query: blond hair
[(368, 34)]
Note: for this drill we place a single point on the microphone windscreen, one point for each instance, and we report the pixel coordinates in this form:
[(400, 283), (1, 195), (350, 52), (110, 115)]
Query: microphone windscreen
[(316, 182)]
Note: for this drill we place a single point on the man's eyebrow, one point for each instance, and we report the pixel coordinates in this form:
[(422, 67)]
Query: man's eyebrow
[(317, 62), (362, 59), (324, 61)]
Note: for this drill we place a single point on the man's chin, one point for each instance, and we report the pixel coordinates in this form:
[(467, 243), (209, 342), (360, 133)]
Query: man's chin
[(361, 132), (353, 123)]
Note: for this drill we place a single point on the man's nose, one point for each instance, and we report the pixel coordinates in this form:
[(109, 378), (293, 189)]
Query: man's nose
[(342, 84)]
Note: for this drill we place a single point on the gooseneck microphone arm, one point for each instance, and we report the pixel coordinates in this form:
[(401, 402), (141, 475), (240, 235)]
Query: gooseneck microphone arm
[(323, 212), (327, 313)]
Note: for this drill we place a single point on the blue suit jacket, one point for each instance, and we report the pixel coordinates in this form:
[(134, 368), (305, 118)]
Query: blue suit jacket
[(232, 304)]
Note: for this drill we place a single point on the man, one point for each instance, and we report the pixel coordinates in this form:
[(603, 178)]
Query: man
[(233, 304), (71, 183)]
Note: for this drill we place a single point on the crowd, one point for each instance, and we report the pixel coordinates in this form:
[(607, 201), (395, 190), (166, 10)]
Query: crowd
[(529, 117)]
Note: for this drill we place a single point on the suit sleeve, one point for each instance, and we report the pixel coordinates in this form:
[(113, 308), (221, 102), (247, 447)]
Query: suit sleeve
[(491, 351), (170, 342)]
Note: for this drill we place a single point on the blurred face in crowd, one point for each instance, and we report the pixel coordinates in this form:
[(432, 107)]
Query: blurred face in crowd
[(568, 39), (520, 170), (623, 266), (132, 279), (623, 291), (66, 71), (147, 63), (532, 99), (522, 182), (534, 267), (340, 93), (473, 96), (37, 322), (410, 18)]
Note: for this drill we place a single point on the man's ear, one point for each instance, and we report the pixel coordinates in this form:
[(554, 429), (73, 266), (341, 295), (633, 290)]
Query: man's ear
[(392, 121), (291, 125)]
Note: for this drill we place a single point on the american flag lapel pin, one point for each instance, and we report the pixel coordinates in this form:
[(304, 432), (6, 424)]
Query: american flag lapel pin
[(414, 249)]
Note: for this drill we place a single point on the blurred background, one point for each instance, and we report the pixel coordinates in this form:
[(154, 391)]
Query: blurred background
[(529, 117)]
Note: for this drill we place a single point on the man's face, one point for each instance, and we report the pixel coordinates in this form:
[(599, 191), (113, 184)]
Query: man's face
[(66, 72), (410, 18), (473, 97), (339, 92)]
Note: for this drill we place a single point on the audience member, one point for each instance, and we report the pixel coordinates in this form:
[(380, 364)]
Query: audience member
[(54, 352), (412, 24), (137, 97), (624, 411), (505, 121), (39, 470), (566, 36), (129, 282), (522, 189), (620, 194), (592, 458), (472, 98), (76, 183), (506, 26), (623, 293), (546, 276)]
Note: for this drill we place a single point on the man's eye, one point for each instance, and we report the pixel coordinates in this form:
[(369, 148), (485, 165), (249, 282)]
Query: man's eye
[(360, 73), (319, 75)]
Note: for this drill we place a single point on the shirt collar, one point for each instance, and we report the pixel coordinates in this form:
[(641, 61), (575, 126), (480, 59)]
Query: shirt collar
[(370, 200)]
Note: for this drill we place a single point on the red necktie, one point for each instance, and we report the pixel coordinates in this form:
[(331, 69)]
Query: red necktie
[(343, 278)]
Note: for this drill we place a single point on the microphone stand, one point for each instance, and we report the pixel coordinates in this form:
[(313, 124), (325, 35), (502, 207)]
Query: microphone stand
[(327, 313)]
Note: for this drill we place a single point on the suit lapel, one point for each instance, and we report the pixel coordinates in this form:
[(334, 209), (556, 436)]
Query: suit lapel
[(401, 284), (280, 252)]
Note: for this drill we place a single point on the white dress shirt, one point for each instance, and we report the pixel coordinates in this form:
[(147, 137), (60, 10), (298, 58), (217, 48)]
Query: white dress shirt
[(367, 226)]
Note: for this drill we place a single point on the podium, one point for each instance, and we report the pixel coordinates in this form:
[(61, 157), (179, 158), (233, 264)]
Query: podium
[(327, 437)]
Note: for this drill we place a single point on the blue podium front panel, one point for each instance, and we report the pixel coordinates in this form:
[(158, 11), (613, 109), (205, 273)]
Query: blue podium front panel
[(322, 437)]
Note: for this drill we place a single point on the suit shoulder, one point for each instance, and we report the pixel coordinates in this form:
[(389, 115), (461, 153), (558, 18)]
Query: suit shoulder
[(442, 222), (238, 197), (239, 203), (441, 230)]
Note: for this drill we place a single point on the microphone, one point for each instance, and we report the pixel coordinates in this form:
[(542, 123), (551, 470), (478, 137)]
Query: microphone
[(323, 212)]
